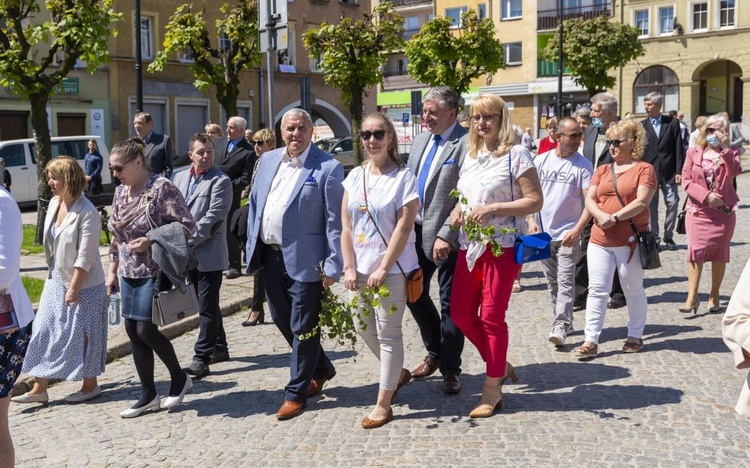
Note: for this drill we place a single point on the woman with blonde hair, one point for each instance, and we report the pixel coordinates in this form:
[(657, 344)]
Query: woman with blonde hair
[(613, 245), (499, 187), (378, 242), (69, 337), (712, 201), (213, 130), (264, 140)]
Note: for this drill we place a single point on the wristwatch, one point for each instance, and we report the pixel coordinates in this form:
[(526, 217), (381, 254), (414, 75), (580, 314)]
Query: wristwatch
[(617, 218)]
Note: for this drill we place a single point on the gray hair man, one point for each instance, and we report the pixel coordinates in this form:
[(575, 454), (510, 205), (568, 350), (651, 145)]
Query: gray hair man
[(665, 151), (436, 157)]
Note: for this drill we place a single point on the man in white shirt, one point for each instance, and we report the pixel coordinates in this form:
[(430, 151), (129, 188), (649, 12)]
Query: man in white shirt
[(565, 176), (294, 233)]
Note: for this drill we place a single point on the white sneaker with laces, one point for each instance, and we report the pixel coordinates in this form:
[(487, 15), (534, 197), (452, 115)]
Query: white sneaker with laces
[(558, 335)]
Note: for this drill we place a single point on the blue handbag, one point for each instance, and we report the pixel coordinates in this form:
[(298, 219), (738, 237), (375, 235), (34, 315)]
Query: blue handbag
[(530, 247)]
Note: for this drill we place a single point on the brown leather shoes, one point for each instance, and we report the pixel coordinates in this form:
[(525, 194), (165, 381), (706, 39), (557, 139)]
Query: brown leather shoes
[(368, 423), (316, 385), (451, 384), (289, 409), (403, 380), (426, 369)]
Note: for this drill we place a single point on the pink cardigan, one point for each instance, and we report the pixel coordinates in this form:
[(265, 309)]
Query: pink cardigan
[(694, 180)]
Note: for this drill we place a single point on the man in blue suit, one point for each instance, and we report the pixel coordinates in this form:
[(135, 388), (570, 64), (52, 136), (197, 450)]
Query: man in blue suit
[(208, 194), (294, 230)]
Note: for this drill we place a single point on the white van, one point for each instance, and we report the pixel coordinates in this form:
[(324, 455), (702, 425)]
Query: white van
[(20, 160)]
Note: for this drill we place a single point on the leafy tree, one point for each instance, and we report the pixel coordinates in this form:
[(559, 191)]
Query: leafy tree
[(29, 46), (221, 65), (352, 54), (441, 55), (594, 47)]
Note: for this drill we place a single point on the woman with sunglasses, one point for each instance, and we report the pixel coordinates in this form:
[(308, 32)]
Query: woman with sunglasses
[(613, 244), (143, 202), (263, 140), (69, 339), (378, 247), (712, 201), (499, 187)]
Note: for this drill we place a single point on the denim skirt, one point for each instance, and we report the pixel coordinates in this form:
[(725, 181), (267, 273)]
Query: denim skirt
[(136, 298)]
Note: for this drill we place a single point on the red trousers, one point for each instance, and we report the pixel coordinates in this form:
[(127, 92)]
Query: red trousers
[(479, 301)]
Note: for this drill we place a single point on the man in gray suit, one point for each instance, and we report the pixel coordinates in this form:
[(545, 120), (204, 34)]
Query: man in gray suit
[(208, 194), (294, 233), (158, 149), (436, 157)]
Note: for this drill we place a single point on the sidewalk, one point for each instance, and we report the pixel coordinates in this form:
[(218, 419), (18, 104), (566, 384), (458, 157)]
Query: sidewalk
[(670, 405)]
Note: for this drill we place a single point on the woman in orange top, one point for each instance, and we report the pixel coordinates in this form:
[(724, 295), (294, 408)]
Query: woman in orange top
[(613, 242)]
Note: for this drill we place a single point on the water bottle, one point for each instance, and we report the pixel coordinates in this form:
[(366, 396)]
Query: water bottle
[(114, 308)]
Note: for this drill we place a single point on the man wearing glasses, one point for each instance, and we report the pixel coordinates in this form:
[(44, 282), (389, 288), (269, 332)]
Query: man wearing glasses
[(436, 157), (565, 176)]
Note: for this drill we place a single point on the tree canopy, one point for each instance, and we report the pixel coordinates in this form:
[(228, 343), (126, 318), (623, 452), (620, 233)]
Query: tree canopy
[(594, 47), (216, 65), (442, 55), (352, 54), (37, 51)]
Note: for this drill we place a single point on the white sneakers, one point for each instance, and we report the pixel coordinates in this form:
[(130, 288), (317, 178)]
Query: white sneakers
[(558, 335)]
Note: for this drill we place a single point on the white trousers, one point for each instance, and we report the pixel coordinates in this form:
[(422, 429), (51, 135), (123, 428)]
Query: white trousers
[(602, 262)]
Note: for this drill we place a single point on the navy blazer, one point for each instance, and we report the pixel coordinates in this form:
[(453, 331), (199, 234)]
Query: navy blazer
[(158, 153), (311, 227), (238, 164), (664, 152)]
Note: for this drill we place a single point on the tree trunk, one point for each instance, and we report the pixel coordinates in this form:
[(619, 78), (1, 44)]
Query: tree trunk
[(355, 109), (43, 146), (228, 100)]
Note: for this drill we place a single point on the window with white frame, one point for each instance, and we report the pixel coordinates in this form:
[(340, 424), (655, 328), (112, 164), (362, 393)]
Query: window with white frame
[(666, 20), (727, 10), (454, 14), (641, 21), (315, 64), (224, 42), (512, 52), (187, 56), (288, 56), (700, 16), (512, 9), (147, 37)]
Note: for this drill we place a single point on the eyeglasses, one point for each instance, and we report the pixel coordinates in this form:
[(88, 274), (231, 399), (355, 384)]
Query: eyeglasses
[(120, 167), (485, 118), (258, 142), (573, 135), (378, 134), (616, 143), (709, 131)]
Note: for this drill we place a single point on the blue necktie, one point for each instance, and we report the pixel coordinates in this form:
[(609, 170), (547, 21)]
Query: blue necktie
[(230, 147), (425, 172)]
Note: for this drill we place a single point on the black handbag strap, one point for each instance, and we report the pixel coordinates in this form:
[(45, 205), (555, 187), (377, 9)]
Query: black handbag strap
[(365, 170), (614, 182)]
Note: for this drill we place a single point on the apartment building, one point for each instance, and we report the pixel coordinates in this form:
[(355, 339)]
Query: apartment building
[(694, 56)]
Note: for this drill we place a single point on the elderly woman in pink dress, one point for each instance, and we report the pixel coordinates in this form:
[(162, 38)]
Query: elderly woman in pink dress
[(712, 200)]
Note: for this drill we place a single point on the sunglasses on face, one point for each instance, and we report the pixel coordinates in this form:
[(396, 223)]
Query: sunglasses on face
[(573, 135), (709, 131), (616, 143), (378, 134), (120, 167), (258, 142)]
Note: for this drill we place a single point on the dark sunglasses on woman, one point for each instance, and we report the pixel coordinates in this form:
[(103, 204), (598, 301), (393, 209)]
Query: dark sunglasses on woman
[(378, 134)]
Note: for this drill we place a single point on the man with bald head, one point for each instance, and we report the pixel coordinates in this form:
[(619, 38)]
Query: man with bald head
[(294, 233)]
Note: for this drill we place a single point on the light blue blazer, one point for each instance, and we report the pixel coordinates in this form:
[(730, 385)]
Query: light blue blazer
[(209, 204), (311, 228)]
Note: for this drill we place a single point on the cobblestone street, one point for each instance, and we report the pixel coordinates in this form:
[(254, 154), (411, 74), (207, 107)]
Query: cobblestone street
[(672, 404)]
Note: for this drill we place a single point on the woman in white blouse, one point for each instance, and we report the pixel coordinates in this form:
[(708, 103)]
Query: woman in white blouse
[(378, 246), (499, 187)]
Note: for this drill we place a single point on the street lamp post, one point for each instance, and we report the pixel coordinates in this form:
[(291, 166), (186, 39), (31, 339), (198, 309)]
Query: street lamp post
[(138, 59), (560, 60)]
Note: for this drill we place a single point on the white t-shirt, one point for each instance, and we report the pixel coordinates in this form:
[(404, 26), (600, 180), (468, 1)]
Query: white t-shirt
[(485, 180), (386, 195), (563, 182)]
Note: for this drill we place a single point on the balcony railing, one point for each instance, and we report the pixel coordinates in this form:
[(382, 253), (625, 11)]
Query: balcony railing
[(547, 19), (400, 3), (546, 68)]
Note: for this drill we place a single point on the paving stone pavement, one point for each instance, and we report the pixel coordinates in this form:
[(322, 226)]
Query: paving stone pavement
[(669, 405)]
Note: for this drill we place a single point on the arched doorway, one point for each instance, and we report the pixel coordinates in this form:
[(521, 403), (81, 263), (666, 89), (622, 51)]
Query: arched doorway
[(660, 79), (336, 120), (720, 89)]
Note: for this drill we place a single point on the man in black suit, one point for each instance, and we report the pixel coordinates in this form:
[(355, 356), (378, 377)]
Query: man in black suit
[(596, 149), (236, 158), (665, 152), (158, 150)]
